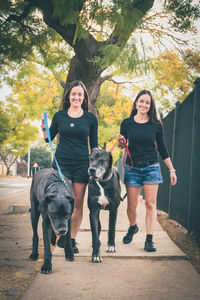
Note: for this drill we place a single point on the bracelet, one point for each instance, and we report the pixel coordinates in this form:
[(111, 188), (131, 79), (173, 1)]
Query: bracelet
[(43, 129), (172, 170)]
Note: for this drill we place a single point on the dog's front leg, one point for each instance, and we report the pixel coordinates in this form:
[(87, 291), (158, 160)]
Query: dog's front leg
[(111, 231), (35, 214), (95, 228), (69, 254), (47, 265)]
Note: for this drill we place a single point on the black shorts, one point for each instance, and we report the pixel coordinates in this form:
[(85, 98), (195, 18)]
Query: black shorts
[(74, 170)]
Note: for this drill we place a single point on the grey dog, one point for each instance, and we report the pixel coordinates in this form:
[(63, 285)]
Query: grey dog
[(104, 192), (53, 199)]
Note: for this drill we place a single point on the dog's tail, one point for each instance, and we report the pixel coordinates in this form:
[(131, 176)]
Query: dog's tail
[(122, 199)]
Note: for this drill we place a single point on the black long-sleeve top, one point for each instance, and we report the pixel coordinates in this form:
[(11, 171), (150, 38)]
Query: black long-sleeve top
[(74, 134), (144, 139)]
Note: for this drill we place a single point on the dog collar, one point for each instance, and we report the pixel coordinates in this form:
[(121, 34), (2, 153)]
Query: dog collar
[(108, 178)]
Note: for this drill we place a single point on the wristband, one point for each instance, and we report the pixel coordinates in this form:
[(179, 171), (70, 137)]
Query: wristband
[(172, 170), (43, 129)]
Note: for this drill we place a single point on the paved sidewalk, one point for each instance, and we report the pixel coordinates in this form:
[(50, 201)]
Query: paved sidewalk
[(130, 273)]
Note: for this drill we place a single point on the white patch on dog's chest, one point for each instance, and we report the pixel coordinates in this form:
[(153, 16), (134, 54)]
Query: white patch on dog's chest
[(102, 200)]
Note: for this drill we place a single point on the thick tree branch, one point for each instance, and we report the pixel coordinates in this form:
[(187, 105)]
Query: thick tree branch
[(85, 48)]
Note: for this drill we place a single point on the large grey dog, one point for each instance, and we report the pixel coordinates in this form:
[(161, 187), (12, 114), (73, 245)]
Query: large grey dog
[(104, 192), (53, 199)]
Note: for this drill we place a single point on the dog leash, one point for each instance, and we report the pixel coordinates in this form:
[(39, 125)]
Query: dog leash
[(61, 176), (126, 150)]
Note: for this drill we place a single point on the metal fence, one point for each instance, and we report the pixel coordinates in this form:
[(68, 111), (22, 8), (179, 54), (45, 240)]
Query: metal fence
[(182, 136)]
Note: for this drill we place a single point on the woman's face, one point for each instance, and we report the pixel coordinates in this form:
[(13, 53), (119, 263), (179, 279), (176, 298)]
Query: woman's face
[(143, 104), (76, 96)]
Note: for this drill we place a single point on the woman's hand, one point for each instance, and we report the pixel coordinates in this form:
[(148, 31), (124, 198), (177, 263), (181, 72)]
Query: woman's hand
[(121, 141), (43, 125), (173, 177)]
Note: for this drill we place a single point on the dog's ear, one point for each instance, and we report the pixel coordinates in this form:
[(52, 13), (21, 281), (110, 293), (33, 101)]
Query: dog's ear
[(110, 160), (46, 200)]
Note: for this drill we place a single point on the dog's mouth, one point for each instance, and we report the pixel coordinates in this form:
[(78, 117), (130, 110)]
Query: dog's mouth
[(60, 233), (94, 178), (93, 175)]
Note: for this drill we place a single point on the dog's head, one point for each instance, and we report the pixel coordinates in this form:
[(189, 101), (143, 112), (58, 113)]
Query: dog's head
[(100, 164), (57, 206)]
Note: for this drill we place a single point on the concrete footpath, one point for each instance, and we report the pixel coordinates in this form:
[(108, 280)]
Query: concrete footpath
[(130, 273)]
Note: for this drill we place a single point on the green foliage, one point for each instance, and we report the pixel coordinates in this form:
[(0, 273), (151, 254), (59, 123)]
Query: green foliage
[(109, 54), (183, 13), (174, 77), (40, 155), (113, 108), (111, 22), (19, 131), (35, 91), (4, 123), (67, 11), (19, 37)]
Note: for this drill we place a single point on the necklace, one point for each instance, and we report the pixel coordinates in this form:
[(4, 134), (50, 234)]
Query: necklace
[(75, 116)]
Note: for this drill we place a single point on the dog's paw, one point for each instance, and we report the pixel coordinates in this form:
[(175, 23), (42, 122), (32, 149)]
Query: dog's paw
[(34, 256), (96, 259), (69, 256), (111, 249), (46, 268)]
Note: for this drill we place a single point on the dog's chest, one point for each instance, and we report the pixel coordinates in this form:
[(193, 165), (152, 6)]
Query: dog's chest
[(102, 198)]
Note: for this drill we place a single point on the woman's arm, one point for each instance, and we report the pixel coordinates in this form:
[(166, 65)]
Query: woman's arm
[(93, 138), (43, 127), (172, 171), (53, 128), (123, 136)]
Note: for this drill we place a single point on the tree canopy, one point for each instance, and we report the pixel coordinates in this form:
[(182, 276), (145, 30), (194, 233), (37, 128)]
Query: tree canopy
[(40, 155), (16, 133), (97, 34)]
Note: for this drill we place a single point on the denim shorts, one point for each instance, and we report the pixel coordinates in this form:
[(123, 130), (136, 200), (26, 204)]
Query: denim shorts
[(75, 170), (136, 177)]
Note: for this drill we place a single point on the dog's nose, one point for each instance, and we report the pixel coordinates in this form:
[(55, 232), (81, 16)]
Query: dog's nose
[(62, 232), (92, 171)]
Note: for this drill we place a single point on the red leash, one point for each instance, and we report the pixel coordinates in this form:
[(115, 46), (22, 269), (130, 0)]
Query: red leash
[(126, 150)]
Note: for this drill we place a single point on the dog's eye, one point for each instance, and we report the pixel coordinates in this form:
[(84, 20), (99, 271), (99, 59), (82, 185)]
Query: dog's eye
[(101, 161)]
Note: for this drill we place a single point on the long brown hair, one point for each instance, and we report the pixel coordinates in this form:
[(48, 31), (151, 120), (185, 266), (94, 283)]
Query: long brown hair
[(65, 104), (152, 113)]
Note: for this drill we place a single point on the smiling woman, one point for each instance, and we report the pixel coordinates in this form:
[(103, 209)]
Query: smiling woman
[(145, 137), (75, 125)]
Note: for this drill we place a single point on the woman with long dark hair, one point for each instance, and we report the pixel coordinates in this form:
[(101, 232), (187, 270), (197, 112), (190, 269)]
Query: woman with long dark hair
[(144, 133), (74, 125)]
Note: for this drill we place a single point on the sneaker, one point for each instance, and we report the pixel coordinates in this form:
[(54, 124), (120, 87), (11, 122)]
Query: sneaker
[(149, 246), (74, 247), (129, 236)]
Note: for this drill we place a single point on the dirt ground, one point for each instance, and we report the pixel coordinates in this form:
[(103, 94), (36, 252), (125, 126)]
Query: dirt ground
[(17, 271), (178, 234)]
